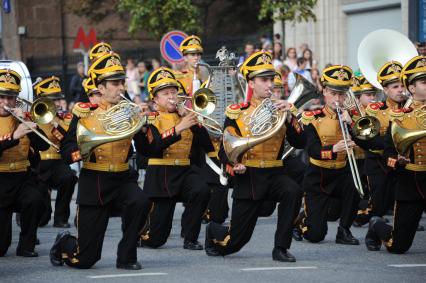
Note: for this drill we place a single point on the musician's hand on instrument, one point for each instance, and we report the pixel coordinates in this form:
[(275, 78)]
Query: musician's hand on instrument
[(187, 122), (282, 105), (340, 146), (403, 160), (182, 111), (19, 112), (23, 129), (346, 117), (239, 168), (144, 108)]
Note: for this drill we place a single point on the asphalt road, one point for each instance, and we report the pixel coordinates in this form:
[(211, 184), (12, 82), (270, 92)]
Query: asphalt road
[(324, 262)]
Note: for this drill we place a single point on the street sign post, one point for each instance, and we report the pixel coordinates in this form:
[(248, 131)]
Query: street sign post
[(169, 46)]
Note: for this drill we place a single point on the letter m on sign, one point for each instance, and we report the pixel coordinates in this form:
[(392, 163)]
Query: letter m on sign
[(87, 41)]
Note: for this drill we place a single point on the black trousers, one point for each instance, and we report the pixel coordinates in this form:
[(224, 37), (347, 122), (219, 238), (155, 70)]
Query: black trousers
[(323, 187), (399, 238), (29, 203), (382, 192), (282, 189), (56, 174), (218, 207), (195, 194), (92, 221)]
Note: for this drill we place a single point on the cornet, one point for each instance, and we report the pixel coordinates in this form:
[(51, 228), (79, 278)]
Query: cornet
[(203, 104)]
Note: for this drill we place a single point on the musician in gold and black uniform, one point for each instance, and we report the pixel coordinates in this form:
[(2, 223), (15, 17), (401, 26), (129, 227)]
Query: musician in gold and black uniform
[(18, 190), (259, 176), (410, 169), (105, 183), (327, 176), (52, 170), (381, 180), (171, 140), (192, 51)]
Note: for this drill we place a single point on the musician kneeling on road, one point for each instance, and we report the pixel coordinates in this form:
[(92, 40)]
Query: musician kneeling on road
[(171, 140), (328, 175), (410, 196), (106, 182), (259, 176), (18, 190)]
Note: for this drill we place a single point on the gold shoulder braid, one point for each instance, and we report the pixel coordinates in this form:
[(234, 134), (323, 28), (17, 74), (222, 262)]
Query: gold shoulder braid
[(396, 114), (81, 109), (152, 116), (233, 111), (373, 108), (309, 116)]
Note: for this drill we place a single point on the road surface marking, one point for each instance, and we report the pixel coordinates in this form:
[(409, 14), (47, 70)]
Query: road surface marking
[(408, 265), (126, 275), (278, 268)]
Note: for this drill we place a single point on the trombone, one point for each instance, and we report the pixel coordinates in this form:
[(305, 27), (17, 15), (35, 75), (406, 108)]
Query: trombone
[(349, 151), (10, 110), (203, 104), (42, 111)]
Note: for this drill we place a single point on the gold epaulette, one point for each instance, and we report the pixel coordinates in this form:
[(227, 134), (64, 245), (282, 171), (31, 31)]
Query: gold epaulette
[(233, 111), (355, 115), (309, 116), (152, 116), (82, 109), (373, 108), (178, 74), (396, 114), (67, 119)]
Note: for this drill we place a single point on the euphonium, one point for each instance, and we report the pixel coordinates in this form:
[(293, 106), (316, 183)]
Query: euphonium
[(119, 122), (404, 138), (266, 121)]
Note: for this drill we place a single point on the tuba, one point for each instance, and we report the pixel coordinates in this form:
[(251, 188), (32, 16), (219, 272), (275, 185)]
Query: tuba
[(120, 122), (404, 138), (382, 46), (265, 121)]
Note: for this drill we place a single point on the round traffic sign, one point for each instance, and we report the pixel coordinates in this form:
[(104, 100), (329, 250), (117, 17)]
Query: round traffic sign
[(169, 46)]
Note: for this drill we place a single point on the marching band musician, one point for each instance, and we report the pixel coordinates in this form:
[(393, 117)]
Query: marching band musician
[(105, 183), (259, 177), (191, 75), (327, 176), (18, 190), (52, 171), (381, 180), (410, 196), (172, 137)]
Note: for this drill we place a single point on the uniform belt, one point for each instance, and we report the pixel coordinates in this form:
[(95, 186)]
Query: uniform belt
[(263, 163), (49, 155), (18, 166), (332, 164), (213, 154), (172, 162), (415, 167), (106, 167), (379, 151)]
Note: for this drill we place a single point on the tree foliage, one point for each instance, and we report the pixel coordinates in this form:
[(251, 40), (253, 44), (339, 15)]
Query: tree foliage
[(157, 17), (287, 10)]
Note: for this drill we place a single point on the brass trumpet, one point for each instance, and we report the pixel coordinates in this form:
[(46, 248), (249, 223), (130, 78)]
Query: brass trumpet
[(10, 110), (42, 110), (203, 104)]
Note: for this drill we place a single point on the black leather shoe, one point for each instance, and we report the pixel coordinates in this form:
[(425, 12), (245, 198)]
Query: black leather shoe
[(129, 266), (420, 228), (20, 252), (280, 254), (297, 234), (37, 242), (55, 254), (192, 245), (345, 237), (208, 244), (60, 224), (372, 242)]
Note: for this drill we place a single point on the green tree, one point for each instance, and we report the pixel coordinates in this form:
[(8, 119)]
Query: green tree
[(287, 10), (160, 16)]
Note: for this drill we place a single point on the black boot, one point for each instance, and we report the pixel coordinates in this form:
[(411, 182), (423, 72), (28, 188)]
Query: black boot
[(297, 234), (345, 237), (192, 245), (208, 244), (372, 242), (280, 254), (129, 266), (420, 228), (56, 250)]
